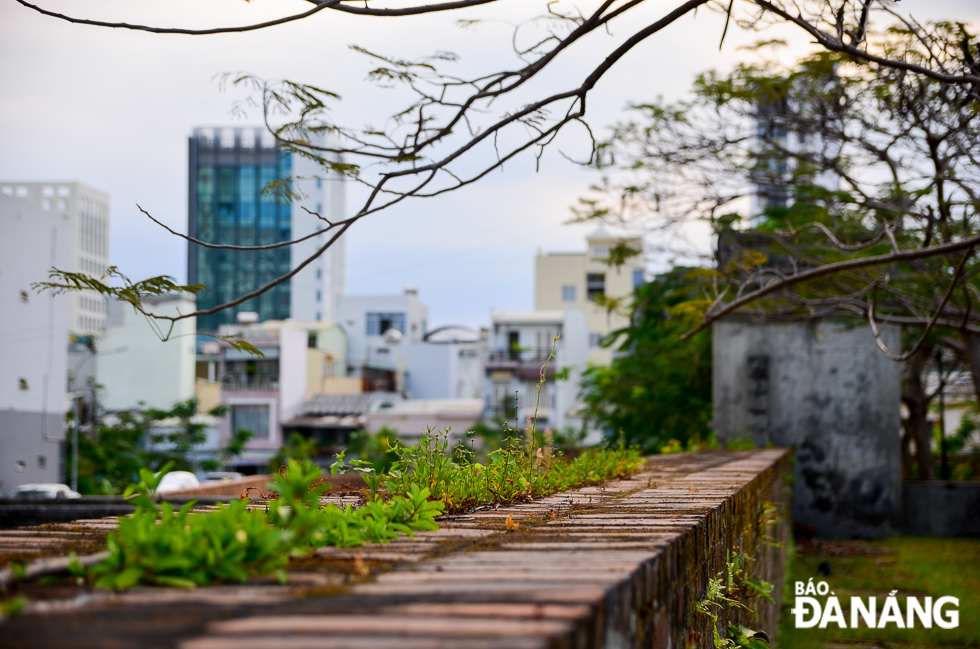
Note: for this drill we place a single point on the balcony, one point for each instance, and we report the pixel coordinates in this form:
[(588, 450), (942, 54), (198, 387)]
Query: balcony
[(522, 355), (236, 383), (524, 362)]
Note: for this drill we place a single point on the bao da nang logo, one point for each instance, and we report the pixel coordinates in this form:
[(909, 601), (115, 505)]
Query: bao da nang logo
[(921, 612)]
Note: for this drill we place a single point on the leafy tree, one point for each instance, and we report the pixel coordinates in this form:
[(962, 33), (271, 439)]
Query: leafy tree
[(866, 188), (658, 388), (113, 450)]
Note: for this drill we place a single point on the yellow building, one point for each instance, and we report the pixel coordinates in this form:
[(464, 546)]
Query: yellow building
[(573, 280)]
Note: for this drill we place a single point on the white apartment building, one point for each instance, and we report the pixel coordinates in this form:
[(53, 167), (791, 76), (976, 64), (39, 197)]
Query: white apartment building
[(87, 211), (135, 366), (520, 344), (572, 280), (33, 353), (367, 318)]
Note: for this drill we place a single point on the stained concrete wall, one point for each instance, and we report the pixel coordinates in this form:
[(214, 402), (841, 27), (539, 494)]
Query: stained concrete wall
[(827, 391)]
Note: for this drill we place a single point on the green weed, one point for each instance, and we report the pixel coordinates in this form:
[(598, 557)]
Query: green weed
[(181, 548), (509, 474), (158, 545)]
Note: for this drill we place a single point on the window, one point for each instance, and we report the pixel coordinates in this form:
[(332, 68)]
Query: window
[(378, 323), (47, 191), (64, 191), (311, 339), (319, 183), (637, 278), (568, 293), (319, 209), (600, 251), (595, 285), (319, 273), (594, 339), (318, 318), (21, 192), (318, 296), (254, 418), (7, 191)]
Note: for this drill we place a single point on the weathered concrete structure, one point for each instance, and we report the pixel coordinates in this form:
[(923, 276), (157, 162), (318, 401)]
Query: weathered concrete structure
[(827, 391)]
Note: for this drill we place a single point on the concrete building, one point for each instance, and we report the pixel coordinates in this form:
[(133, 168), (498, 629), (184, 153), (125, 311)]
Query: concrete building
[(33, 349), (87, 213), (827, 391), (391, 349), (520, 343), (366, 319), (300, 360), (452, 369), (136, 367), (572, 280), (230, 169)]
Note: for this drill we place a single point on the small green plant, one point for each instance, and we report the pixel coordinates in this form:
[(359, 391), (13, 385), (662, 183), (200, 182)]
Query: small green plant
[(158, 545), (734, 587), (297, 447), (509, 473), (12, 607)]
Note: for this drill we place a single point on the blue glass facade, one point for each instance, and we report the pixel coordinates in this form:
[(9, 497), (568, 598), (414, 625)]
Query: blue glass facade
[(228, 169)]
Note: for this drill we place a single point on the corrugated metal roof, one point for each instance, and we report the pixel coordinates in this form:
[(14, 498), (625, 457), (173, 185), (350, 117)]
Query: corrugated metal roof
[(336, 404)]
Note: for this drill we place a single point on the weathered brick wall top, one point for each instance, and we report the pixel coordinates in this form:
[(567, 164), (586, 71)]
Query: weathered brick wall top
[(621, 564)]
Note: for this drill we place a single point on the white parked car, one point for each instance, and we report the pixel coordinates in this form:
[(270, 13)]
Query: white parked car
[(177, 481), (44, 491)]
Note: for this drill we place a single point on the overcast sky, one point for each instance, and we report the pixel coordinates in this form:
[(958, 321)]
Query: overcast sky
[(113, 109)]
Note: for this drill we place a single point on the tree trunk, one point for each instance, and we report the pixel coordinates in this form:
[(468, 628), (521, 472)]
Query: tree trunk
[(918, 403)]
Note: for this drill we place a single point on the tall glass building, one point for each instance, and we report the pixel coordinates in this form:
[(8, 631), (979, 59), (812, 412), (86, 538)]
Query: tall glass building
[(228, 169)]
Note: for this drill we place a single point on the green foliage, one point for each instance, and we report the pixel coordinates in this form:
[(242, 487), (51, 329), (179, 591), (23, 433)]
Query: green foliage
[(741, 444), (740, 636), (134, 293), (734, 587), (959, 441), (158, 545), (509, 474), (297, 447), (695, 444), (112, 453), (131, 292), (659, 388), (377, 448), (12, 607)]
